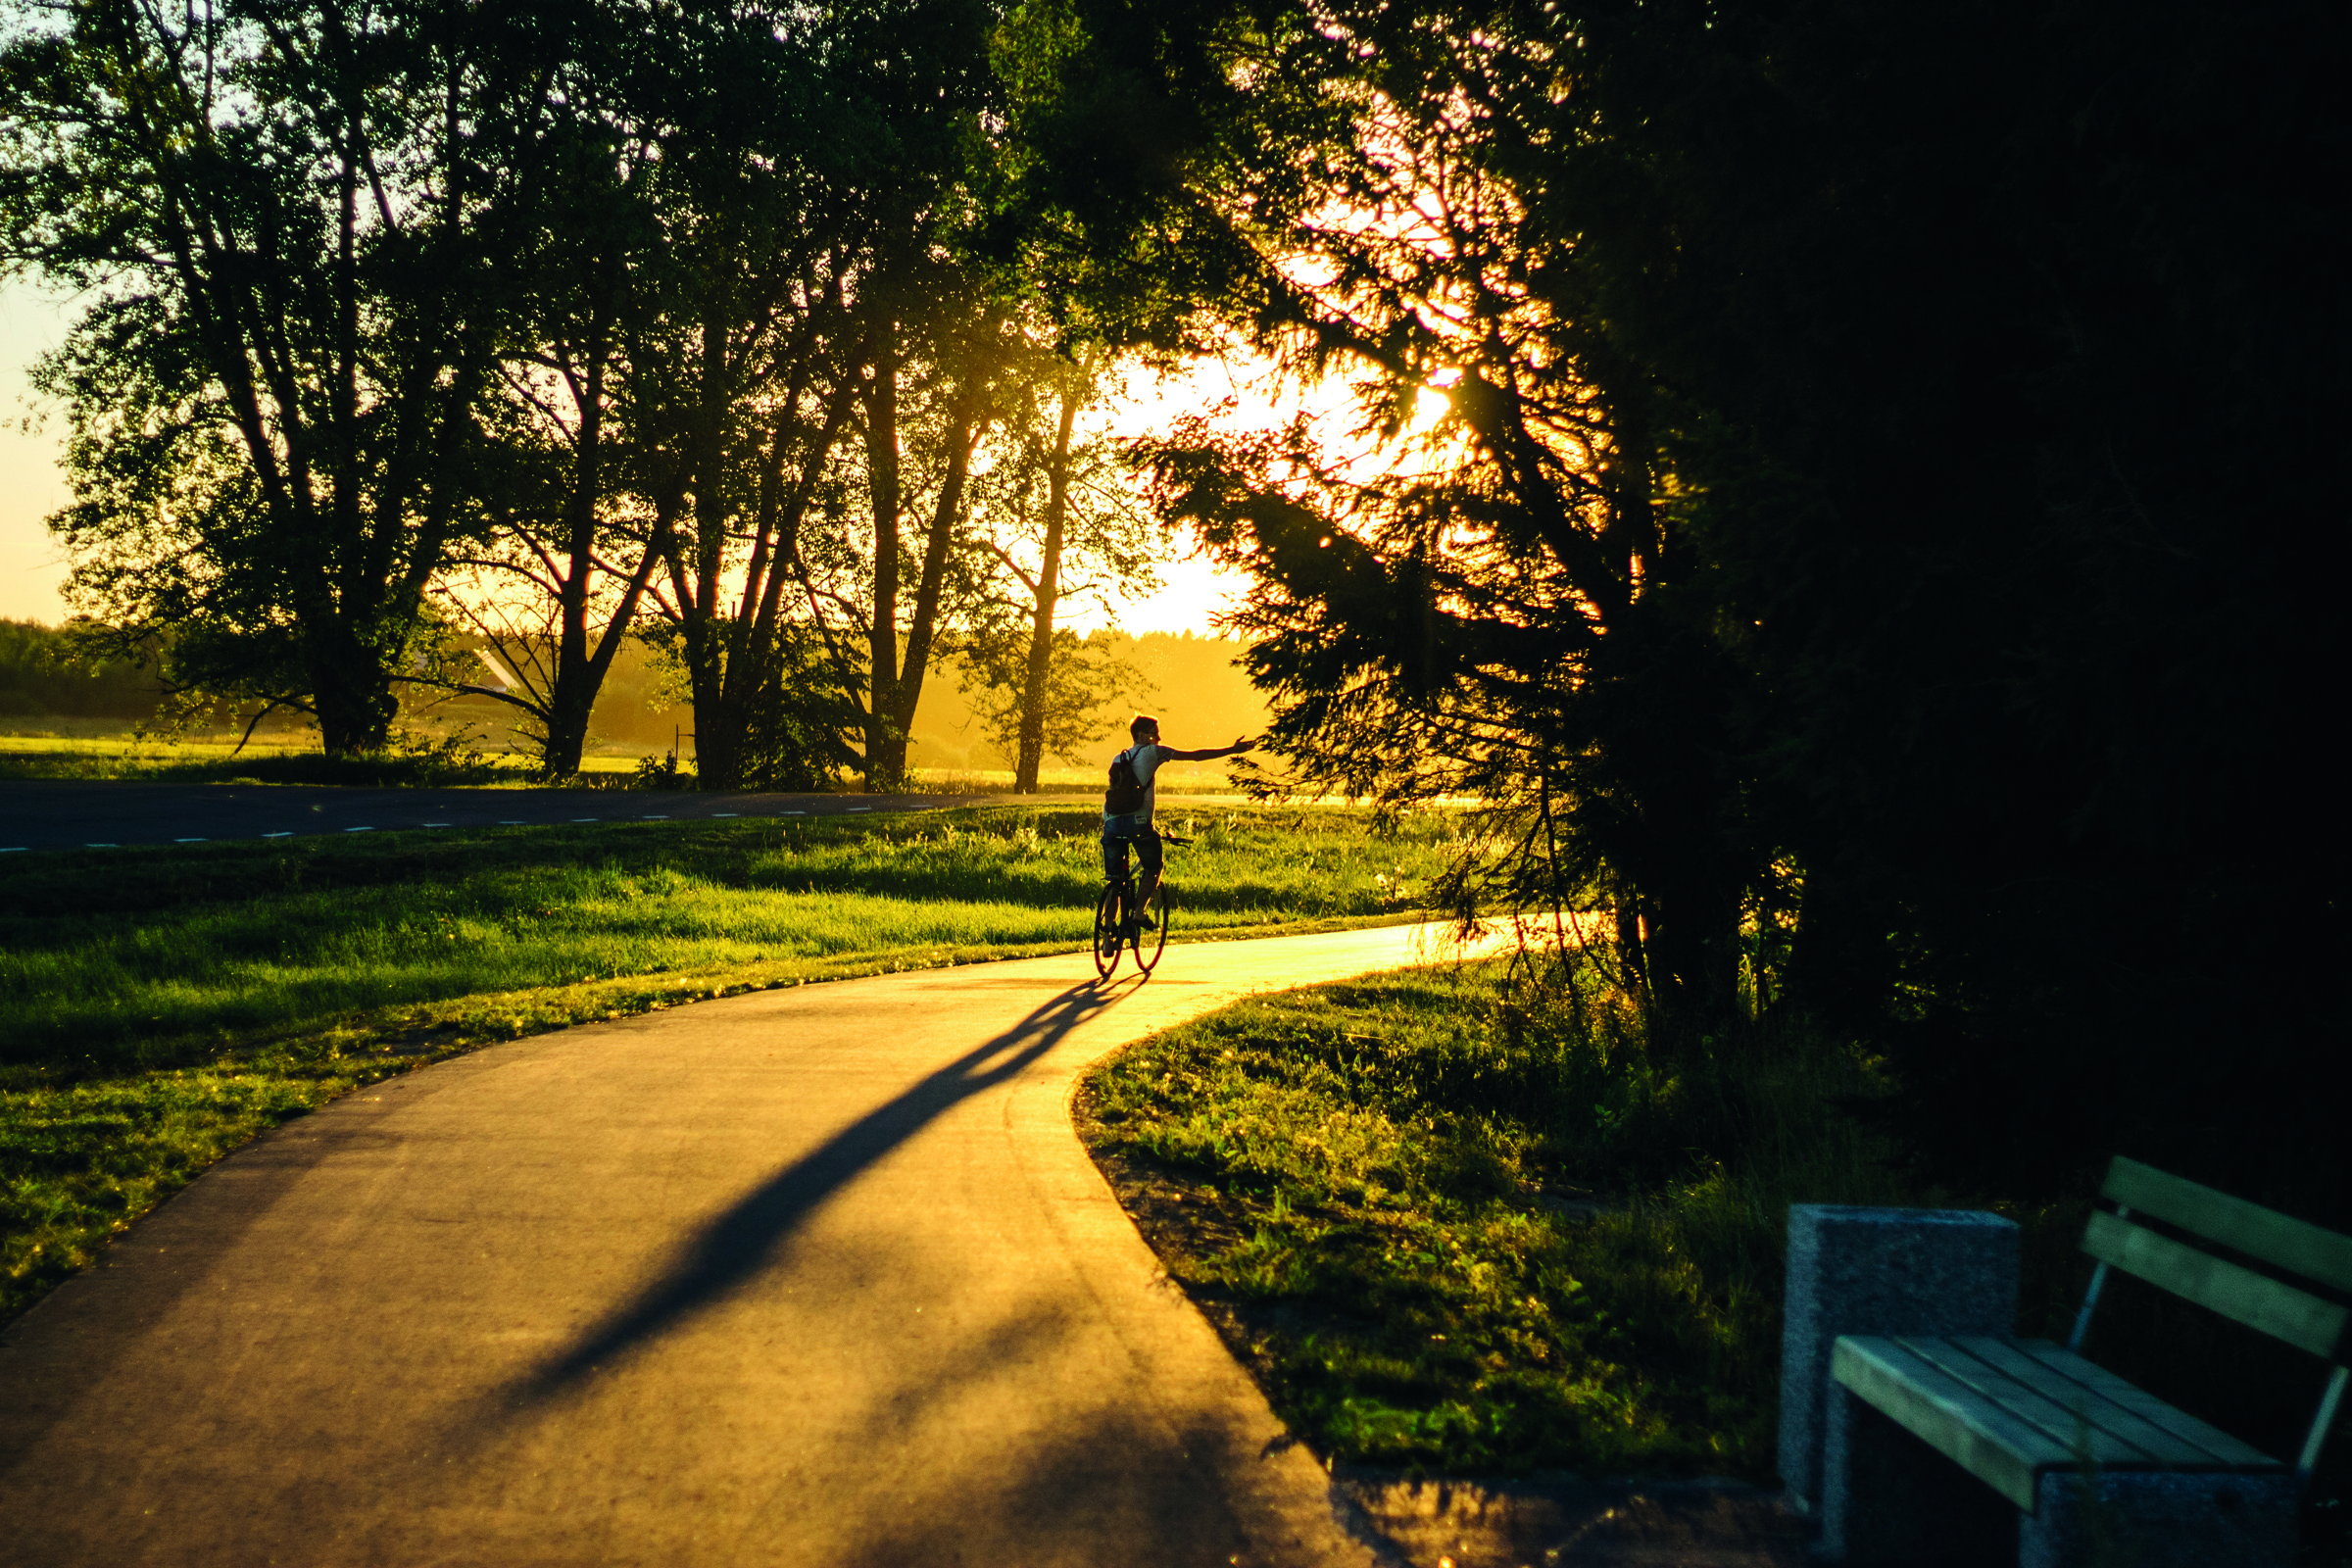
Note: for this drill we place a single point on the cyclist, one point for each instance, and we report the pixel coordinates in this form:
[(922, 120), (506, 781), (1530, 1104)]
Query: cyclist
[(1127, 804)]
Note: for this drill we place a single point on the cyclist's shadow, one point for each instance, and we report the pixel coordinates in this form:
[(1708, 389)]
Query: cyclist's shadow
[(732, 1248)]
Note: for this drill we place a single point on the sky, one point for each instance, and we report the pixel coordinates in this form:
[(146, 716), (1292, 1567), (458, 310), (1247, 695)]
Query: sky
[(33, 569)]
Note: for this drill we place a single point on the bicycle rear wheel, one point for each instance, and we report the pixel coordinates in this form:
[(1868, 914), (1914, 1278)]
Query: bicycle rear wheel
[(1110, 933), (1147, 944)]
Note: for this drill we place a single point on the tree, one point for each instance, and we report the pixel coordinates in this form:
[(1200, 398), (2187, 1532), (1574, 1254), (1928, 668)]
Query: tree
[(1933, 398), (571, 512), (970, 360), (1479, 586), (293, 217), (2006, 368), (1054, 504), (810, 174)]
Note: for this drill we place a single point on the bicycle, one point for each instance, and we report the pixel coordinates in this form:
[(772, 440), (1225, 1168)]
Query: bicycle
[(1115, 927)]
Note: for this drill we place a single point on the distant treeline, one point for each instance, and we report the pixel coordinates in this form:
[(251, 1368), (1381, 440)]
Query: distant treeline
[(43, 676), (1196, 685)]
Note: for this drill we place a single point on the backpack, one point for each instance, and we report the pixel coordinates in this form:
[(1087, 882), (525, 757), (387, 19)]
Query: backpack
[(1125, 795)]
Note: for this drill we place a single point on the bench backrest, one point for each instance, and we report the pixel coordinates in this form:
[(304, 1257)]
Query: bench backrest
[(2284, 1310)]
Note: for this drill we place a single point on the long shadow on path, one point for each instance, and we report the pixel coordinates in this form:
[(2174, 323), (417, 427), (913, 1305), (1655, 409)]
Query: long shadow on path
[(742, 1242)]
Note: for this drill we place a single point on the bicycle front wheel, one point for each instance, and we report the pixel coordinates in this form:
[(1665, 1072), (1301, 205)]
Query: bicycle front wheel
[(1147, 944), (1109, 932)]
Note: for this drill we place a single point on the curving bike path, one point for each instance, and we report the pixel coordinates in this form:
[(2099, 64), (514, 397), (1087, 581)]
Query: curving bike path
[(817, 1276)]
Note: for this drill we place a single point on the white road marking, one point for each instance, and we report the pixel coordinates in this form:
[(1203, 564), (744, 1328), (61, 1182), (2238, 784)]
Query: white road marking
[(652, 820), (792, 813), (191, 841), (359, 830), (587, 820), (855, 808), (12, 849), (716, 815), (102, 846), (432, 824), (278, 835), (512, 822)]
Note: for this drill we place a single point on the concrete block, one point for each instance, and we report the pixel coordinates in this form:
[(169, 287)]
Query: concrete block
[(1891, 1502), (1880, 1271), (2159, 1520)]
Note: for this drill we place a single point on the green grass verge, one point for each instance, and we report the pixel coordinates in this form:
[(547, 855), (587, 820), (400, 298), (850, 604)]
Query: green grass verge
[(1452, 1233), (159, 1007), (417, 763)]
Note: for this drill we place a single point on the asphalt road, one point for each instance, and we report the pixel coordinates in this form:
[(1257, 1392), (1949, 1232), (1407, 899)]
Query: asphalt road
[(72, 814), (817, 1277)]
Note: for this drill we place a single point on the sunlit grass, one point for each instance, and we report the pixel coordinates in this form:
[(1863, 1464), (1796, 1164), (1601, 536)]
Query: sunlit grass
[(1455, 1236), (268, 758), (159, 1006)]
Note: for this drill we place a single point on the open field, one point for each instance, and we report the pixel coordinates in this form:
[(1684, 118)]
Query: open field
[(159, 1006), (278, 758)]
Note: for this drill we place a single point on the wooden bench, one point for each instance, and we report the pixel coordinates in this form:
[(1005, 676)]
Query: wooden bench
[(2099, 1470)]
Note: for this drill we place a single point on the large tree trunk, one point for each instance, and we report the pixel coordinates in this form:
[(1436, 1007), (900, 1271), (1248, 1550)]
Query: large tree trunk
[(572, 696), (924, 626), (351, 694), (1031, 755), (885, 740), (718, 748)]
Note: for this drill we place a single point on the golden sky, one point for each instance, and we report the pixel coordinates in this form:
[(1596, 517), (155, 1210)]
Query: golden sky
[(30, 564)]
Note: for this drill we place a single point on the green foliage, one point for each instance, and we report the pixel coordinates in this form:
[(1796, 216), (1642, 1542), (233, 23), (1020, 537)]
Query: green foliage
[(664, 772), (1084, 675), (798, 724), (42, 671), (1469, 1227)]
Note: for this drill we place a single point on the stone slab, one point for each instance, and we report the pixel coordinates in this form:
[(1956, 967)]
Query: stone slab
[(1855, 1270)]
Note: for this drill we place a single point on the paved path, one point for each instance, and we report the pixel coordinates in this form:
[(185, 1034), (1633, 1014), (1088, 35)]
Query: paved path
[(108, 814), (812, 1277)]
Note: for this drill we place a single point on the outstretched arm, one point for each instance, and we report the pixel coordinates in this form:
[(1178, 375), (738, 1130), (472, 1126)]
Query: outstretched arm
[(1240, 744)]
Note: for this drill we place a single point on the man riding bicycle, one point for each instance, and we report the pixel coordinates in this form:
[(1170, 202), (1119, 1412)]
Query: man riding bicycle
[(1127, 804)]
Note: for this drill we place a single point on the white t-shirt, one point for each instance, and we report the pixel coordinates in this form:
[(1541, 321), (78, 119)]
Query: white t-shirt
[(1146, 760)]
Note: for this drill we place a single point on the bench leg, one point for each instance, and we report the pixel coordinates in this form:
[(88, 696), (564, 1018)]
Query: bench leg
[(2159, 1520), (1890, 1500)]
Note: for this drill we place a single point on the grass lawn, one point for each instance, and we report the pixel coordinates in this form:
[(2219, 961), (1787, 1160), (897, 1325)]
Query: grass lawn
[(1451, 1234), (274, 759), (159, 1007)]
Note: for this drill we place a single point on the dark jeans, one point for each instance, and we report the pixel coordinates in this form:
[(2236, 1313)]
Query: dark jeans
[(1148, 852)]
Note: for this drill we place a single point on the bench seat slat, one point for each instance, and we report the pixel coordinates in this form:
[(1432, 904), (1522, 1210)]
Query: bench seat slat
[(2298, 1317), (2226, 1448), (2181, 1443), (2296, 1246), (2003, 1450), (2074, 1418)]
